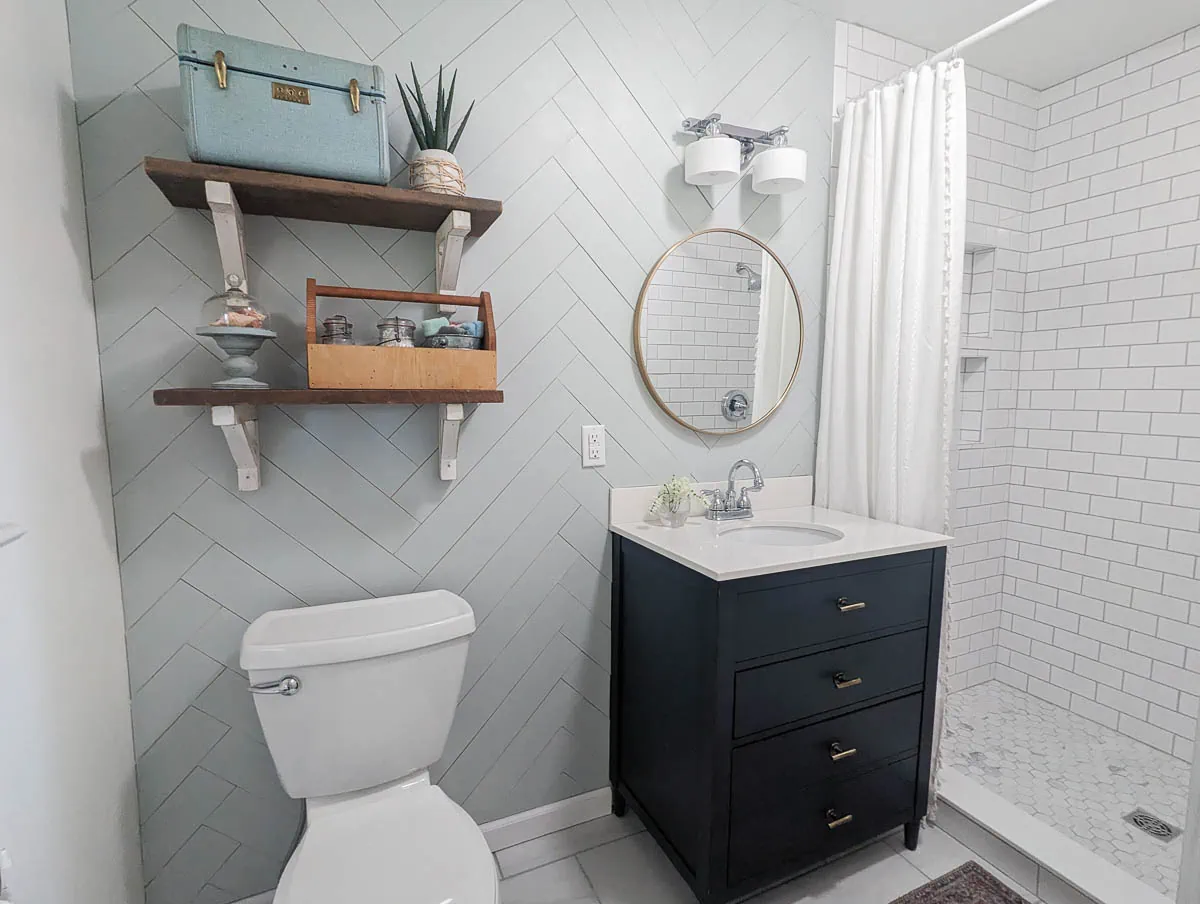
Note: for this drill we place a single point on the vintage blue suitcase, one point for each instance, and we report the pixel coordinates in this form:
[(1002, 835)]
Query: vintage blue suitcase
[(260, 106)]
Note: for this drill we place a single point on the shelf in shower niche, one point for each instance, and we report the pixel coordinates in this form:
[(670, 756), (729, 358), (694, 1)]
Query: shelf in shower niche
[(235, 411)]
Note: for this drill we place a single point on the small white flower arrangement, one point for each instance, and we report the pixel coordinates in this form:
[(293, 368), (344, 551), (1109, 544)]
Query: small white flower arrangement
[(674, 500)]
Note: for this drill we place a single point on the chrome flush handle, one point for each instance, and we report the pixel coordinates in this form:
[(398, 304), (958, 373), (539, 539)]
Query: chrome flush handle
[(287, 686)]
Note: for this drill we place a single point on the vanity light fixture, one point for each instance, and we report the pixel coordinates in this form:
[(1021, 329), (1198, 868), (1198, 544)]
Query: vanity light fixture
[(715, 158), (724, 149)]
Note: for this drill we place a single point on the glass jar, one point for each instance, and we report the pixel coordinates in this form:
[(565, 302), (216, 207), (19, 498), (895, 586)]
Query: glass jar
[(396, 332), (337, 331), (234, 308)]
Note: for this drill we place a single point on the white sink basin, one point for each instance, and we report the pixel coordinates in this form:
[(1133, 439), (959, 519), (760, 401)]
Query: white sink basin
[(752, 534)]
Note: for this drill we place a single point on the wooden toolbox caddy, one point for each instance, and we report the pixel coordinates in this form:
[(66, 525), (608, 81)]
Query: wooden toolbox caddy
[(379, 367)]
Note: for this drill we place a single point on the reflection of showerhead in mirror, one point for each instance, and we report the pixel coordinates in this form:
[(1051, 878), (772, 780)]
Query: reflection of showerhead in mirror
[(752, 275), (718, 316)]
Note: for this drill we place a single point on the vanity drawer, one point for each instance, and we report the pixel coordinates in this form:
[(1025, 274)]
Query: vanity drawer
[(783, 692), (815, 612), (792, 826), (833, 749)]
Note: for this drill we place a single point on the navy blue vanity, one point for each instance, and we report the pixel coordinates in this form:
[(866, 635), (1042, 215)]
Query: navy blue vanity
[(764, 725)]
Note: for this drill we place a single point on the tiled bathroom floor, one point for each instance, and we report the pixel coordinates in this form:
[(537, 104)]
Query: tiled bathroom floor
[(600, 863), (1072, 773)]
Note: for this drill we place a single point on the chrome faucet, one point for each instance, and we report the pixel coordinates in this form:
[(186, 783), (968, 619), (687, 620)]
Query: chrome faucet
[(727, 504)]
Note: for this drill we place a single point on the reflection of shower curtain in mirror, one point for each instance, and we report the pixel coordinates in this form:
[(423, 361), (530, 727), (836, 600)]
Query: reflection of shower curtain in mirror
[(894, 304)]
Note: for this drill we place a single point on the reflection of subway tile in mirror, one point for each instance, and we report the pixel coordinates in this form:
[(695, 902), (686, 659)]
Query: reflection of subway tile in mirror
[(700, 327)]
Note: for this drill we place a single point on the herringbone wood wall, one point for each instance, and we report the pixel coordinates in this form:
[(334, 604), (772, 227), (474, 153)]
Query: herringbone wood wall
[(576, 130)]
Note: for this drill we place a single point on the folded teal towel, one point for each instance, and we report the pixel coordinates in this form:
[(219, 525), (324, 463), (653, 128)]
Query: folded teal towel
[(431, 327)]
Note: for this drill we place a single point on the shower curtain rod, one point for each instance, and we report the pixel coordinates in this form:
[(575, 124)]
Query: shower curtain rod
[(957, 49), (994, 28)]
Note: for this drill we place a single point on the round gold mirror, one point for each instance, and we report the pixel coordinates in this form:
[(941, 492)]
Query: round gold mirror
[(719, 331)]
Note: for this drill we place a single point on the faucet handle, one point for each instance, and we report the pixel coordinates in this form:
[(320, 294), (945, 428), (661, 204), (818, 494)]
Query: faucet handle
[(744, 498), (716, 500)]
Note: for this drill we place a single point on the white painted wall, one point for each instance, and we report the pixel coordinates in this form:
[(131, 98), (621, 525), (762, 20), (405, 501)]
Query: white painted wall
[(576, 130), (67, 806)]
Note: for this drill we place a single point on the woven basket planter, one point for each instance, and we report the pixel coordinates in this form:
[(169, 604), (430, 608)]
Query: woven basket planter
[(436, 171)]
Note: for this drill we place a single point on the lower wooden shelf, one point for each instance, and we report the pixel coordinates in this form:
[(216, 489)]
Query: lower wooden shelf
[(325, 396), (235, 412)]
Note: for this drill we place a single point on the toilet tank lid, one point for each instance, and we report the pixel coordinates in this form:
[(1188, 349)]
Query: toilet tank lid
[(345, 632)]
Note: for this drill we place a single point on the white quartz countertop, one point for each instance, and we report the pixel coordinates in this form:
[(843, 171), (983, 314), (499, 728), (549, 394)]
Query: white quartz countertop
[(700, 545)]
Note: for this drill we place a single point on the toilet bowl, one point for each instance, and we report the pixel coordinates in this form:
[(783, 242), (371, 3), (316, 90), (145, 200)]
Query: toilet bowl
[(356, 701)]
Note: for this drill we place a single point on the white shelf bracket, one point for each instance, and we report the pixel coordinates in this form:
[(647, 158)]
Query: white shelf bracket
[(450, 237), (239, 423), (450, 420), (231, 237)]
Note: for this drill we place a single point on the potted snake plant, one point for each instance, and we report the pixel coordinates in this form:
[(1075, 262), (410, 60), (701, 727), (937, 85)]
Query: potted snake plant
[(434, 167)]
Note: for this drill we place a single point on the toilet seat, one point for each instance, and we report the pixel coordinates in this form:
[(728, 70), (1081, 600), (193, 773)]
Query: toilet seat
[(416, 847)]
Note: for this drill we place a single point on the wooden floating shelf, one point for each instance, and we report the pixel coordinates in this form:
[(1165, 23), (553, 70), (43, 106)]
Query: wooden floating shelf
[(308, 198), (235, 411), (325, 396)]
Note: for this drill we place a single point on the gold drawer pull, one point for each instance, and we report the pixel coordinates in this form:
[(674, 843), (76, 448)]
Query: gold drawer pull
[(355, 96), (836, 822), (841, 682), (837, 752), (844, 605), (221, 68)]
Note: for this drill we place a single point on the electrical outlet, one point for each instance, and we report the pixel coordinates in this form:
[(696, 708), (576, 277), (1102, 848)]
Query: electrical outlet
[(592, 446)]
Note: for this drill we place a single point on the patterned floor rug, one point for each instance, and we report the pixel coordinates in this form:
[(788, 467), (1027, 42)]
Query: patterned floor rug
[(969, 884)]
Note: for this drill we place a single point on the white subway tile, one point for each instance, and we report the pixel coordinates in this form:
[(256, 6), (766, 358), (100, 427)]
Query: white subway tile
[(1097, 712), (1120, 88), (1146, 148), (1178, 163), (1146, 733), (1121, 701), (1121, 132), (1178, 66), (1149, 101), (1156, 52)]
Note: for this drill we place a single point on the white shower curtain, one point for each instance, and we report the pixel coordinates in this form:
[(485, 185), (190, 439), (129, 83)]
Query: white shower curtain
[(894, 305)]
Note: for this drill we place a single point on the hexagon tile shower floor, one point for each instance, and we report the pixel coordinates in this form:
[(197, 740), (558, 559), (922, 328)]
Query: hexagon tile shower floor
[(1073, 774)]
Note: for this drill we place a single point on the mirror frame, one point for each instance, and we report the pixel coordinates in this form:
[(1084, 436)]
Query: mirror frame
[(639, 311)]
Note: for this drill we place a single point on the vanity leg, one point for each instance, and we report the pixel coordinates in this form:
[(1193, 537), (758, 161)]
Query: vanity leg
[(912, 831), (618, 802)]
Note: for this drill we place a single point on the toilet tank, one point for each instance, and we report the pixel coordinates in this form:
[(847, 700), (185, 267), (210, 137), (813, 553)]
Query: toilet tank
[(378, 684)]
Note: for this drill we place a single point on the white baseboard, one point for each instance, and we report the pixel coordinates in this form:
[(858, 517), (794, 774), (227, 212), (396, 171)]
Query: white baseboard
[(521, 827)]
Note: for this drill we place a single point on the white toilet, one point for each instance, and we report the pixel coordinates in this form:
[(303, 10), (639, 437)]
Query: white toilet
[(356, 701)]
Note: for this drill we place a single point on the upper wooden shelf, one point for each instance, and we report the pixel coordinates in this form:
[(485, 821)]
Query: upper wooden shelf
[(324, 396), (307, 198)]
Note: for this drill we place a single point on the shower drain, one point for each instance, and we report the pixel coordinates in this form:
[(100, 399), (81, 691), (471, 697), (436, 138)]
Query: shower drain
[(1152, 825)]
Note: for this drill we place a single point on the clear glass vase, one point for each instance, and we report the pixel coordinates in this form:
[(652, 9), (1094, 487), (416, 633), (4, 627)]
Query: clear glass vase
[(675, 518)]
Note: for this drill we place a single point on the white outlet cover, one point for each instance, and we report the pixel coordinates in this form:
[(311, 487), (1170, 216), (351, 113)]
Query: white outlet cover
[(592, 446)]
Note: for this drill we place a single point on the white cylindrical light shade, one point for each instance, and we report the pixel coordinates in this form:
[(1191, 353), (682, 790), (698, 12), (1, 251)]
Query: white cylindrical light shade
[(712, 160), (779, 170)]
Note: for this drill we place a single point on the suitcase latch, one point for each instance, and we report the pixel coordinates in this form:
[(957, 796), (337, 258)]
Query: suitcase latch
[(355, 96), (221, 69)]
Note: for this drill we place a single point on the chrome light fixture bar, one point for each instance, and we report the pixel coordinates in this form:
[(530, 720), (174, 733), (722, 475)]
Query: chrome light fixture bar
[(724, 150), (747, 138)]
